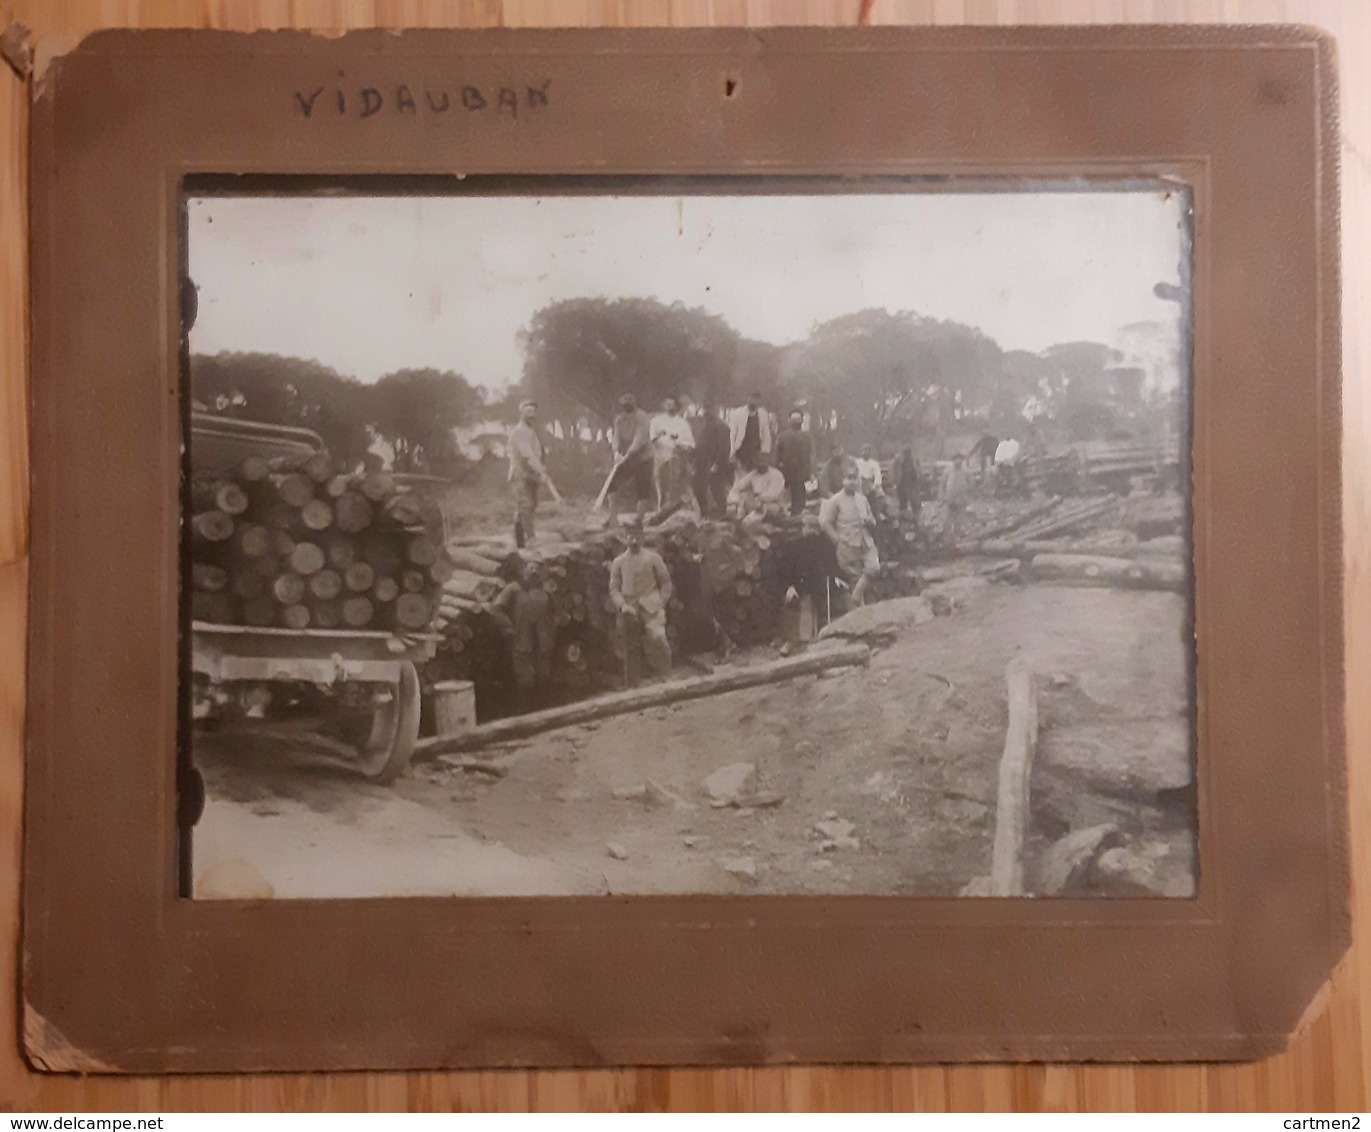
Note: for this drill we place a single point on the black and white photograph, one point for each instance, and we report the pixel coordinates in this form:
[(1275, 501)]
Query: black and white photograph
[(721, 537)]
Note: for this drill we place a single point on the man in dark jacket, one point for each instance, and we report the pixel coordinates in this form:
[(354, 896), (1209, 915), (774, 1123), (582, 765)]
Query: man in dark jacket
[(795, 458), (711, 460)]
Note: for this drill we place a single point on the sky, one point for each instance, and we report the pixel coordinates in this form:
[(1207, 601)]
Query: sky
[(372, 284)]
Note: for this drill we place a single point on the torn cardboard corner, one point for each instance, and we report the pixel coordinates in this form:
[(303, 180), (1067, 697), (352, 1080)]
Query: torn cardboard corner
[(16, 46), (49, 1050)]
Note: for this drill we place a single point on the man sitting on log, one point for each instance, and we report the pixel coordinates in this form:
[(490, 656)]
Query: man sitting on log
[(847, 520), (760, 491), (640, 588), (631, 438)]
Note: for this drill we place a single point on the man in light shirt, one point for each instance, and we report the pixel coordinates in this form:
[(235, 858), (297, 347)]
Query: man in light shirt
[(761, 491), (847, 520), (640, 589), (672, 443), (526, 471)]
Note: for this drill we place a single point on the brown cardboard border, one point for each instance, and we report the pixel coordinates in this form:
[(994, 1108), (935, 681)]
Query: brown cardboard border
[(120, 975)]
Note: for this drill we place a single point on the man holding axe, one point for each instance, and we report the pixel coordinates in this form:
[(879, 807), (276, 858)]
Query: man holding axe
[(527, 471), (631, 438)]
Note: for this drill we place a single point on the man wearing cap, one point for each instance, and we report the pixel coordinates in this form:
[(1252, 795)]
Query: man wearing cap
[(631, 437), (640, 589), (749, 433), (526, 471)]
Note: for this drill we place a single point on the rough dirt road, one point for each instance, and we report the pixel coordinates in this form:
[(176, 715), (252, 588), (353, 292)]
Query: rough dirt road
[(906, 752)]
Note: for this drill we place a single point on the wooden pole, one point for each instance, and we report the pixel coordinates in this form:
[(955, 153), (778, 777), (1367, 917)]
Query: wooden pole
[(1016, 765), (638, 699)]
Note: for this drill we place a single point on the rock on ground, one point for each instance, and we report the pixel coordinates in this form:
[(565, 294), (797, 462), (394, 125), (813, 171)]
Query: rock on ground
[(1070, 859), (881, 622), (744, 867), (728, 785), (1139, 759), (617, 851)]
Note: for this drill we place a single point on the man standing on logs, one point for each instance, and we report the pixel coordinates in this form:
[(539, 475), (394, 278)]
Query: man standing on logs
[(847, 520), (749, 433), (672, 443), (711, 460), (795, 458), (640, 588), (631, 438), (526, 471)]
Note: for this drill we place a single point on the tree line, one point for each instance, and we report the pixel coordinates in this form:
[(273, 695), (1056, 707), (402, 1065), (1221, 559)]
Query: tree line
[(873, 376)]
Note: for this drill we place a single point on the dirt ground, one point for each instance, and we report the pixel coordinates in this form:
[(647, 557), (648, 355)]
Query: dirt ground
[(906, 751)]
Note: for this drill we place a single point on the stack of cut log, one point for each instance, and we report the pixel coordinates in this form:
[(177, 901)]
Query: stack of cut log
[(298, 543), (729, 579)]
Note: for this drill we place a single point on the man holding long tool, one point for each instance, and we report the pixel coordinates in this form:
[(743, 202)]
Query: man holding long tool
[(631, 441), (527, 471), (640, 588)]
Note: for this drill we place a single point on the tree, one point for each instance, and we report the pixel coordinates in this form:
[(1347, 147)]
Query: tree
[(1075, 389), (583, 354), (884, 373), (416, 411), (287, 391)]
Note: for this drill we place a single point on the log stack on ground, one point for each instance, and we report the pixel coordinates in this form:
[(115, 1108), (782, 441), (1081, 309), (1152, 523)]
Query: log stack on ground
[(302, 543)]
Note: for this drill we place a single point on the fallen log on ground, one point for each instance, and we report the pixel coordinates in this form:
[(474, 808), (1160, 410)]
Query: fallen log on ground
[(638, 699), (1016, 767), (1138, 574), (1068, 518), (1007, 548)]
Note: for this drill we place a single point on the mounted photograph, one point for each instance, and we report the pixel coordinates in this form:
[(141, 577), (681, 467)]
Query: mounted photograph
[(739, 536)]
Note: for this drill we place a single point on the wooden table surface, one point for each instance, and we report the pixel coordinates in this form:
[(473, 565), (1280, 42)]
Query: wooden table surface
[(1326, 1066)]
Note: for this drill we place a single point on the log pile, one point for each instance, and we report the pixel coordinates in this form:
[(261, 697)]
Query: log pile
[(300, 543), (730, 581)]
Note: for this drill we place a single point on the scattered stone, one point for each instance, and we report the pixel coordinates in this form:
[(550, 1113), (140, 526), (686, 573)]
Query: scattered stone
[(740, 867), (655, 794), (976, 886), (743, 811), (617, 851), (820, 865), (1059, 680), (948, 597), (573, 796), (1124, 863), (963, 811), (1068, 863), (729, 783), (829, 815), (881, 785), (631, 793), (880, 623), (835, 828), (695, 841)]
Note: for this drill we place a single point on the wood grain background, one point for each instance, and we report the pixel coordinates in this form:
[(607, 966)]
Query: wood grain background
[(1326, 1066)]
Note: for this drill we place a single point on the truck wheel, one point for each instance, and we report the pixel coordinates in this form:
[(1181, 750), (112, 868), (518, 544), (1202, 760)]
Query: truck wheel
[(394, 729)]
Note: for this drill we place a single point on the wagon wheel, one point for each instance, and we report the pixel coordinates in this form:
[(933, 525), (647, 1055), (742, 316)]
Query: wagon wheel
[(394, 728)]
